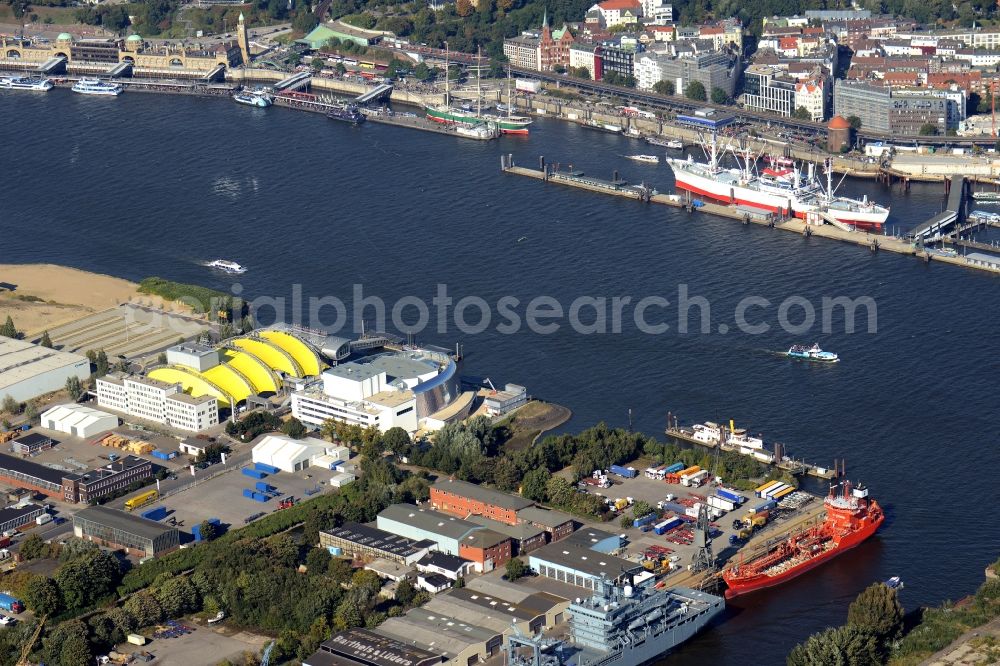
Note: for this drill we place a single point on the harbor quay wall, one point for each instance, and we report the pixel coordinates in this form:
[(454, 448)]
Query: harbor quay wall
[(926, 168), (873, 242)]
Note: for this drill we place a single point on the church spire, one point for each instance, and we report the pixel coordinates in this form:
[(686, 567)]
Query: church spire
[(545, 18)]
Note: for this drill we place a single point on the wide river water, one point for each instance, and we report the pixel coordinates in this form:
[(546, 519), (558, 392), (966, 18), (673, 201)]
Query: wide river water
[(151, 185)]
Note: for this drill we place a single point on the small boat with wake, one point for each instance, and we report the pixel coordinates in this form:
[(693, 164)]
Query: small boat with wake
[(813, 353), (227, 266)]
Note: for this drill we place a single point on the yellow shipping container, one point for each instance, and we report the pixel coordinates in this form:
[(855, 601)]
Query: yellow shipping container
[(766, 486), (781, 493)]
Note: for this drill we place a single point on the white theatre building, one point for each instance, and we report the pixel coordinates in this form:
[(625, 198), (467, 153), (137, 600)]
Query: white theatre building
[(393, 389)]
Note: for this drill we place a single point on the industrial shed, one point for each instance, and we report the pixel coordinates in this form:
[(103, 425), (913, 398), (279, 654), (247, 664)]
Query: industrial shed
[(294, 455), (28, 370), (78, 420)]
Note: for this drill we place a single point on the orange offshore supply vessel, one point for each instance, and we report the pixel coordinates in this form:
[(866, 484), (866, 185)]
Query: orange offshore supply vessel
[(850, 519)]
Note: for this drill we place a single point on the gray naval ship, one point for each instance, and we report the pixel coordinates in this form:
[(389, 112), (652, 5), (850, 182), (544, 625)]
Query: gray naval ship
[(625, 626)]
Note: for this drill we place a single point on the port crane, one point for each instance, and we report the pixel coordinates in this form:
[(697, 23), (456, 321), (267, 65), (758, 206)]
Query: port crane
[(26, 650)]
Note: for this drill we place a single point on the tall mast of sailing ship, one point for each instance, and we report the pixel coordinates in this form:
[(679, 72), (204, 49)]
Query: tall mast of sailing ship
[(479, 78)]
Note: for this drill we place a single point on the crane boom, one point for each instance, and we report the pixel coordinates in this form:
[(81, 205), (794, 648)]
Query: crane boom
[(26, 650)]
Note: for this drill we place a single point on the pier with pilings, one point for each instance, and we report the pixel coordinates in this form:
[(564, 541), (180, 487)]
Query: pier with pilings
[(617, 187)]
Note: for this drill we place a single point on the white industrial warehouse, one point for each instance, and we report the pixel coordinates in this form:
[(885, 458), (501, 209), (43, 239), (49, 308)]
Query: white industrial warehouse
[(28, 370), (294, 455), (78, 420)]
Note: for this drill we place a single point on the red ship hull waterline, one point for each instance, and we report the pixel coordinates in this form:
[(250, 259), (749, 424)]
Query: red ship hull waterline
[(850, 519)]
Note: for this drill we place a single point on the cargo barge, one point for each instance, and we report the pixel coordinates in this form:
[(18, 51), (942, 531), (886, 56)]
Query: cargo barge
[(738, 440)]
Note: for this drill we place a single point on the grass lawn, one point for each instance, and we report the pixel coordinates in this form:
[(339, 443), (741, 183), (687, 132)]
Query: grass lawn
[(531, 420), (59, 16)]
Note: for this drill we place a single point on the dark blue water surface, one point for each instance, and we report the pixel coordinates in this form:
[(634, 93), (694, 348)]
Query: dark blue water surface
[(148, 185)]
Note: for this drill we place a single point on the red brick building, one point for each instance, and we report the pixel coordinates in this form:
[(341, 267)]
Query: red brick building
[(461, 498), (487, 549), (554, 47)]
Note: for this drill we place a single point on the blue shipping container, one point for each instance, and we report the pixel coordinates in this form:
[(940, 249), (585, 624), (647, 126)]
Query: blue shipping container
[(264, 486), (676, 508), (247, 492), (267, 469), (676, 467), (764, 506), (730, 495), (260, 497), (159, 454), (253, 473), (645, 520), (623, 471), (159, 513)]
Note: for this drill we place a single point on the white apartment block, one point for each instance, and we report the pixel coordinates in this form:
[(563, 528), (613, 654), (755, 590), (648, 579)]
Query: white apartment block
[(524, 52), (656, 10), (582, 55), (187, 412), (648, 71), (157, 401)]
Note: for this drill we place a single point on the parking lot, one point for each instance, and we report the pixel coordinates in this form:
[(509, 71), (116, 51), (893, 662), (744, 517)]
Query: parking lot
[(676, 544), (74, 455), (222, 496), (204, 645)]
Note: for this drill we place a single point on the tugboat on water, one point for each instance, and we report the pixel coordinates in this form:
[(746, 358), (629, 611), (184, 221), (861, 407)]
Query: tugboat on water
[(347, 114)]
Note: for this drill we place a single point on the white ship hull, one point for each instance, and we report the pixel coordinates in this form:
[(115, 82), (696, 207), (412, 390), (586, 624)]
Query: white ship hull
[(726, 187), (24, 83)]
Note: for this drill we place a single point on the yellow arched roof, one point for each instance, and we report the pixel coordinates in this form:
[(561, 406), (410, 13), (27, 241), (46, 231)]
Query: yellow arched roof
[(192, 383), (253, 369), (274, 356), (298, 350), (230, 381)]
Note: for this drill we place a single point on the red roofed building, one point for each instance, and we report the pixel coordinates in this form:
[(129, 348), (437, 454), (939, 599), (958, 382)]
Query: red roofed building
[(812, 96), (618, 12), (897, 79)]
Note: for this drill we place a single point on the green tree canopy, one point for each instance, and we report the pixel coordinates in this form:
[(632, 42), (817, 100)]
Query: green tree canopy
[(695, 90), (854, 122), (664, 87), (101, 364), (801, 113), (8, 330), (928, 129), (46, 341), (396, 440), (877, 609), (535, 483), (73, 387), (144, 608), (516, 568), (293, 428), (720, 96), (843, 646), (42, 596)]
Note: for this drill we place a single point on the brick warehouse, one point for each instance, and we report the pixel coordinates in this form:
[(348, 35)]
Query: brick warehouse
[(461, 499)]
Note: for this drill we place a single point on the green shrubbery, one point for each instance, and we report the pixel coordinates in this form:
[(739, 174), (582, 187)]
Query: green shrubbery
[(202, 299)]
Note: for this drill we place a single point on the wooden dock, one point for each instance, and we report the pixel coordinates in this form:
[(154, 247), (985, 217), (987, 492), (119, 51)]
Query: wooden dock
[(794, 467), (872, 242)]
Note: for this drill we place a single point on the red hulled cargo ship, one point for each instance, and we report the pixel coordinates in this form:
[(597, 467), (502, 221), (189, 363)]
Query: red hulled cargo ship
[(851, 517)]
